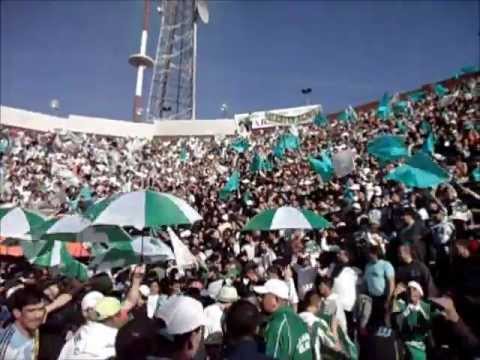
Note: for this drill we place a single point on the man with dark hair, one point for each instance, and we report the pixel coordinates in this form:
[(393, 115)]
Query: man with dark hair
[(414, 270), (379, 279), (20, 340), (242, 321)]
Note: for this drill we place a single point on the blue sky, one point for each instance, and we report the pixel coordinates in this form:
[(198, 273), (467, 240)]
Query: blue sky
[(253, 55)]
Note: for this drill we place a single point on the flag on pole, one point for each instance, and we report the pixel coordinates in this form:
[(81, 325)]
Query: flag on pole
[(348, 115), (232, 185), (401, 107)]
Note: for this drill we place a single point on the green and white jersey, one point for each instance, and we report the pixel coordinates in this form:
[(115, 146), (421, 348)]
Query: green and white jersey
[(287, 336)]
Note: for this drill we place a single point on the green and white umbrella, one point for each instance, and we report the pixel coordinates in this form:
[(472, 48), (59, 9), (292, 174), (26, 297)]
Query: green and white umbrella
[(76, 228), (143, 209), (16, 222), (54, 254), (286, 217), (146, 250)]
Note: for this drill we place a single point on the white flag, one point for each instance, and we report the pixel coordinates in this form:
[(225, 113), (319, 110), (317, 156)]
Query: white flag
[(183, 256)]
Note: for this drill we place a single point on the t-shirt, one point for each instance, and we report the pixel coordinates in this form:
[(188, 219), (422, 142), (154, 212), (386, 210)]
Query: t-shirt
[(92, 341), (305, 279), (14, 345), (376, 275), (345, 286), (287, 336), (417, 271)]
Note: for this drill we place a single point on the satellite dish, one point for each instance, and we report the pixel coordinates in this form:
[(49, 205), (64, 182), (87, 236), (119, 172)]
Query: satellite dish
[(202, 10)]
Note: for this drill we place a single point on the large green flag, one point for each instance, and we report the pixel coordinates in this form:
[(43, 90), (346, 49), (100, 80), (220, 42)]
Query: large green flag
[(419, 171), (387, 148), (429, 144), (240, 145), (320, 120), (259, 163), (384, 110), (323, 166), (417, 96), (441, 90), (232, 185)]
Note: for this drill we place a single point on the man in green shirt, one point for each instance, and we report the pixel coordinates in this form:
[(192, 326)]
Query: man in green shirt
[(286, 335)]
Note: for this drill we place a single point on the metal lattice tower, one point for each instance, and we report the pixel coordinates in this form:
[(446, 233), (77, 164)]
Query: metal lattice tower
[(172, 89)]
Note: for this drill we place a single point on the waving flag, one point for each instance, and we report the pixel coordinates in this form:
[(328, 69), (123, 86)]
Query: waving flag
[(259, 163), (476, 175), (384, 110), (320, 120), (322, 166), (419, 171), (417, 96), (429, 144), (240, 145), (440, 90), (387, 148), (349, 115), (232, 185)]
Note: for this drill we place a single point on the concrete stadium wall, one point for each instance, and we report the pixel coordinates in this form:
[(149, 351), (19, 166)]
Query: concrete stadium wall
[(44, 122)]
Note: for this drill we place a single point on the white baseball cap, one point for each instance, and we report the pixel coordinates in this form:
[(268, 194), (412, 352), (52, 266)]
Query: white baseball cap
[(228, 294), (416, 285), (91, 299), (275, 287), (182, 314)]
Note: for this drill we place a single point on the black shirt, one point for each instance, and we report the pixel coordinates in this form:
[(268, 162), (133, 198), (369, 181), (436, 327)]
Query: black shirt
[(417, 271)]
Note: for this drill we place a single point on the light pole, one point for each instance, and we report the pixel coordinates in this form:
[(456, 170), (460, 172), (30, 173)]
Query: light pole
[(306, 92)]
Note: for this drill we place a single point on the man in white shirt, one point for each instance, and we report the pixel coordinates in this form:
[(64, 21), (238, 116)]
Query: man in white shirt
[(249, 247), (215, 314), (19, 340), (96, 339)]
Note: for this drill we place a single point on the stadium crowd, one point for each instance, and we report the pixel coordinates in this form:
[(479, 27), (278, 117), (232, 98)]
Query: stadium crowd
[(395, 276)]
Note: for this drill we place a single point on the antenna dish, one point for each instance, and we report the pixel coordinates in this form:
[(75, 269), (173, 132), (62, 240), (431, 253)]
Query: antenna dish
[(202, 10)]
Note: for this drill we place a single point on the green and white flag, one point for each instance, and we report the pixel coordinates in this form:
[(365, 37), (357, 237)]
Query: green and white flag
[(401, 107), (440, 90), (320, 120), (240, 145), (387, 148), (143, 210), (323, 166), (184, 155), (183, 256), (348, 115), (286, 217), (259, 163), (417, 96), (16, 222), (384, 110), (232, 185)]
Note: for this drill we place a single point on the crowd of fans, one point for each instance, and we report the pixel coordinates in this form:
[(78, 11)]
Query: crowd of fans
[(395, 276)]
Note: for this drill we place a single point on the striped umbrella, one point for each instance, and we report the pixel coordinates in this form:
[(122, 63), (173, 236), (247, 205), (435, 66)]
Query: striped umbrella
[(76, 228), (286, 217), (143, 209), (16, 222), (146, 250), (54, 254)]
